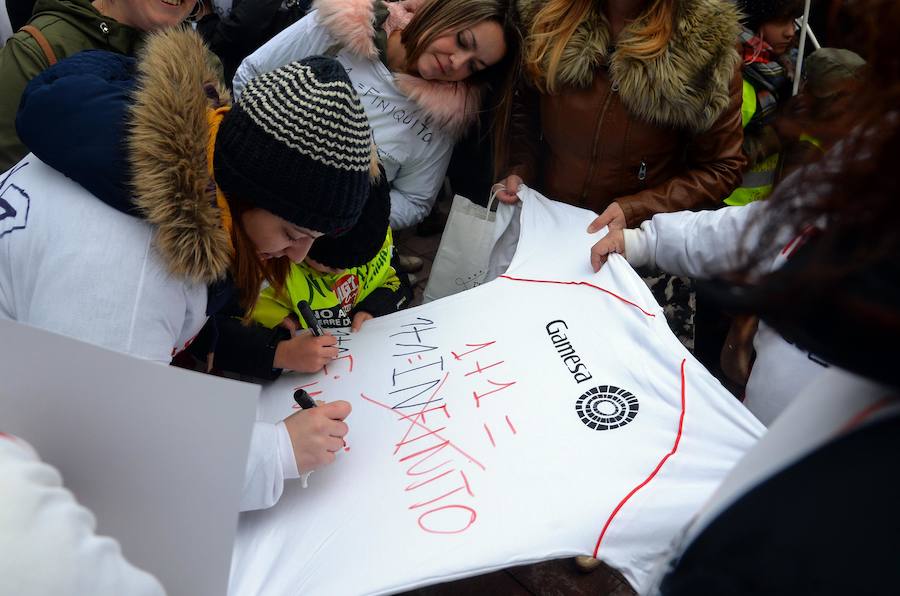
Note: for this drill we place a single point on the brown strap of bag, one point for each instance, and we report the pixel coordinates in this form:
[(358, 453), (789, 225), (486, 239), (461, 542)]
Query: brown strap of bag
[(42, 41)]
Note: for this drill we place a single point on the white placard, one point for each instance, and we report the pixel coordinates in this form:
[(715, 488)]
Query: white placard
[(157, 453)]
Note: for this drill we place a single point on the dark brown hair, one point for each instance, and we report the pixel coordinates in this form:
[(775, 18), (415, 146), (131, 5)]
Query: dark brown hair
[(854, 189), (759, 12), (841, 298)]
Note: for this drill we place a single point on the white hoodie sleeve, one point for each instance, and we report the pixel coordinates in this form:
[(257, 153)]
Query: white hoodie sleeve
[(47, 540), (304, 38), (269, 464), (699, 244)]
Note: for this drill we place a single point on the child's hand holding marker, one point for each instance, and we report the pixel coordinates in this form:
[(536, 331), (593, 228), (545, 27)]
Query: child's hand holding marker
[(307, 352)]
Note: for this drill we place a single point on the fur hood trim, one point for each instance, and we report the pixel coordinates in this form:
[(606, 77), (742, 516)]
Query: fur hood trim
[(454, 106), (167, 145), (687, 86)]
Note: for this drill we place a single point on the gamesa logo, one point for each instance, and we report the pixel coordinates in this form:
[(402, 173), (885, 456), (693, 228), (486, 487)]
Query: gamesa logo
[(606, 407)]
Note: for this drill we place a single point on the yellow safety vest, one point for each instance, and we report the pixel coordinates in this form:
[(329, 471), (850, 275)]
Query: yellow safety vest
[(758, 180), (330, 295)]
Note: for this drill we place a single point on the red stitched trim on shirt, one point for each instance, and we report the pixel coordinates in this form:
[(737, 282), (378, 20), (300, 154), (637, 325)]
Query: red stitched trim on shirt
[(579, 283), (798, 241), (653, 473)]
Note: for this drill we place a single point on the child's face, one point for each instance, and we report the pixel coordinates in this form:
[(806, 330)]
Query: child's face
[(778, 34), (320, 267)]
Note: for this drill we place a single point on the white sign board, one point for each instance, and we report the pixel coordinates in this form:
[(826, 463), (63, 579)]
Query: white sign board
[(547, 413), (155, 452)]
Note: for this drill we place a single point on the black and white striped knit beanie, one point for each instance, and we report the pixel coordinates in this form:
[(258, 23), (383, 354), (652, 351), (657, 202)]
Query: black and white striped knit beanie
[(298, 144)]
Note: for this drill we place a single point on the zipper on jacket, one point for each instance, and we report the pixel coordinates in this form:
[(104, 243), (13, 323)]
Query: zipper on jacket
[(642, 171), (613, 89)]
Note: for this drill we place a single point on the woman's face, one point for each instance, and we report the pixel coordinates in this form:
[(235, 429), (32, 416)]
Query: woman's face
[(455, 56), (779, 35), (275, 237), (150, 15)]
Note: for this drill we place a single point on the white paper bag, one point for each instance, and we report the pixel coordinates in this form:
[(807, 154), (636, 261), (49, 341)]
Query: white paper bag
[(462, 257)]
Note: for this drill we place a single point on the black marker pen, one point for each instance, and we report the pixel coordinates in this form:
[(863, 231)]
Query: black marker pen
[(303, 399), (309, 318)]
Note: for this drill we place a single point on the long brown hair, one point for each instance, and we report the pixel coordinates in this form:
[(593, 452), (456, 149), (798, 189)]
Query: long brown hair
[(248, 270), (557, 21)]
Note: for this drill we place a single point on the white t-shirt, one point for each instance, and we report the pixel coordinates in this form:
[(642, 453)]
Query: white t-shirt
[(548, 413), (414, 151)]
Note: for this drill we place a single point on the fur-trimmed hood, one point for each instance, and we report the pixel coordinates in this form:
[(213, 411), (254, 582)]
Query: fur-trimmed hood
[(687, 86), (134, 133), (352, 23), (168, 147)]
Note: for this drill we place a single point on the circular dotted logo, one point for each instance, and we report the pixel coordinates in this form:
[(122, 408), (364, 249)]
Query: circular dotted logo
[(606, 407)]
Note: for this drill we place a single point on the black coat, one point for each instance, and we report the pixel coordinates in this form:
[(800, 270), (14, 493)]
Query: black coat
[(250, 24)]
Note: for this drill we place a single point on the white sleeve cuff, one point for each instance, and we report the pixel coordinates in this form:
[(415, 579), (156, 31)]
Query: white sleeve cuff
[(637, 249), (286, 452)]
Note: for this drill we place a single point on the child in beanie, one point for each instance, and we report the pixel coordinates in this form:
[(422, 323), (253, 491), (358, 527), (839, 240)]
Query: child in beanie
[(346, 279), (343, 284), (338, 297)]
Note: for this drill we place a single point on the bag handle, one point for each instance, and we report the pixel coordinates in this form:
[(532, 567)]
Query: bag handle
[(41, 41), (493, 197)]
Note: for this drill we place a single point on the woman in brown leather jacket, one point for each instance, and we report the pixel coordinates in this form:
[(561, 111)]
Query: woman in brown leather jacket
[(629, 107)]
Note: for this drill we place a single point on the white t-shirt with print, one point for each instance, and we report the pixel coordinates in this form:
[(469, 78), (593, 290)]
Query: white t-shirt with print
[(547, 413)]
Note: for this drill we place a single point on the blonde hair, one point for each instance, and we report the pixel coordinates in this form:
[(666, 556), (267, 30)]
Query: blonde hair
[(557, 21)]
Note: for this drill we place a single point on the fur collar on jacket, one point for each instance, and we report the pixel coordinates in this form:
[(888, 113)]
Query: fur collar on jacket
[(453, 105), (687, 86), (167, 145)]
